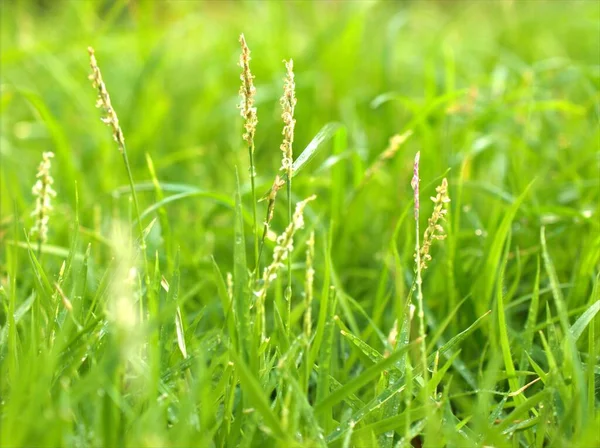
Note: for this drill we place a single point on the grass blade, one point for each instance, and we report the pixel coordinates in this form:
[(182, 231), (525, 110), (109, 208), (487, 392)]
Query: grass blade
[(241, 290), (584, 320), (256, 397), (494, 254), (311, 150), (365, 377)]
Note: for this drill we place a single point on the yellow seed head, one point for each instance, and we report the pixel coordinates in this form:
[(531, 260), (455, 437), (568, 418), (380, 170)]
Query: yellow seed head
[(247, 93), (396, 141), (435, 230), (277, 185), (43, 192), (103, 102), (284, 246), (288, 104)]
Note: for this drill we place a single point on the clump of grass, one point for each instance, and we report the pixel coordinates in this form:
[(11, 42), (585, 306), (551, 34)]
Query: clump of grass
[(281, 253), (91, 356), (44, 193)]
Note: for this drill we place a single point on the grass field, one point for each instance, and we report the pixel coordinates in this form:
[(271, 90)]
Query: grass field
[(170, 317)]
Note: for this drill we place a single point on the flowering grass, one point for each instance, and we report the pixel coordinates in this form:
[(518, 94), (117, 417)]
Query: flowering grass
[(436, 285)]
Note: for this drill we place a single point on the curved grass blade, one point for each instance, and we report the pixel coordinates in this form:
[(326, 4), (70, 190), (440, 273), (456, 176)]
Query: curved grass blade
[(307, 410), (162, 213), (580, 324), (397, 423), (559, 300), (365, 348), (456, 340), (523, 408), (488, 279), (531, 319), (441, 327), (502, 325), (352, 400), (325, 357), (45, 289), (226, 301), (173, 296), (571, 365), (241, 290), (311, 150), (216, 197), (364, 378)]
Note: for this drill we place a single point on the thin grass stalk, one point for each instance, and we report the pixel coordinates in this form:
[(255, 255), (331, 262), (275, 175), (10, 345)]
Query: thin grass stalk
[(12, 263), (288, 289), (112, 120), (434, 231), (288, 104), (271, 198), (162, 213), (418, 270), (248, 112)]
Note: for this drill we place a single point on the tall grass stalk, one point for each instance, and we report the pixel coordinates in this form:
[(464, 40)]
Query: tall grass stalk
[(111, 120), (419, 267), (248, 112), (288, 104), (282, 252)]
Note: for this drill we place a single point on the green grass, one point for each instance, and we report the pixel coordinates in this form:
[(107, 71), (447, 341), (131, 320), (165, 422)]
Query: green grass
[(502, 99)]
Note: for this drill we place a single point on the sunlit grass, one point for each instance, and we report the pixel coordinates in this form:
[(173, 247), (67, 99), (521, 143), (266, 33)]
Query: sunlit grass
[(158, 310)]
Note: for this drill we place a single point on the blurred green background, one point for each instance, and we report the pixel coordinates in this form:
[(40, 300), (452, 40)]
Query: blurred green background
[(500, 92)]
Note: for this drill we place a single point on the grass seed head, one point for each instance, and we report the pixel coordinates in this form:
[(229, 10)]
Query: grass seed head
[(277, 185), (435, 230), (414, 183), (288, 104), (395, 142), (43, 192), (284, 246), (230, 285), (247, 94), (103, 101)]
